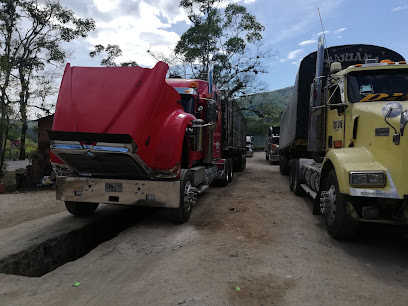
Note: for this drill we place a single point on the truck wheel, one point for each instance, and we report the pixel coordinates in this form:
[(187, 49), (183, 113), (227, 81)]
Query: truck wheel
[(283, 165), (81, 209), (243, 162), (291, 174), (339, 223), (296, 188), (188, 197), (224, 181), (230, 169)]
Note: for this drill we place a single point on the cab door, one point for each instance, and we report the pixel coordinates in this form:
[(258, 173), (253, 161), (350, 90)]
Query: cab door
[(335, 117)]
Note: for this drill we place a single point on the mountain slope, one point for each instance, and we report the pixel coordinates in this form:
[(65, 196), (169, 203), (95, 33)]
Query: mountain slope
[(264, 109)]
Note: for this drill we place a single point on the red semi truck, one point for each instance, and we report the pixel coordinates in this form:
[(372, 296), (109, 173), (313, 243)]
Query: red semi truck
[(127, 135)]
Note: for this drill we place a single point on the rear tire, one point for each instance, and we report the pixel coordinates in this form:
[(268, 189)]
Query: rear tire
[(339, 223), (81, 209), (187, 198), (230, 169), (283, 165), (297, 189), (243, 162), (224, 181), (291, 174)]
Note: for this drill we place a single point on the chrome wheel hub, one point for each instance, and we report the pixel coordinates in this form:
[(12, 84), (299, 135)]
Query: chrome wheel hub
[(190, 196)]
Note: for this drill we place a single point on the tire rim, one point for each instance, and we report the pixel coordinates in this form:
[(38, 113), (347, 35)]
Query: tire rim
[(331, 216), (189, 196)]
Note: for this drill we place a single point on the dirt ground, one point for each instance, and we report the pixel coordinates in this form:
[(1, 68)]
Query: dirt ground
[(250, 243), (20, 207)]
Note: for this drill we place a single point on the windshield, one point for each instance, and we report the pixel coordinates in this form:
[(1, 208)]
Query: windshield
[(188, 104), (376, 85)]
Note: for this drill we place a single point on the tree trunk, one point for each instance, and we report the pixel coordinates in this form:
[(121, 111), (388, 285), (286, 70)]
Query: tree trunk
[(24, 95)]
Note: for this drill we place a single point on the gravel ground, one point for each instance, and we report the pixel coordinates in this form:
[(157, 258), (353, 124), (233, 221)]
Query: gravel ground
[(250, 243)]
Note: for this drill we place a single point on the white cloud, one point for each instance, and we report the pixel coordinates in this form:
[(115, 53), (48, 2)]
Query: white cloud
[(400, 8), (137, 27), (293, 54), (340, 30), (308, 42), (249, 1), (106, 5)]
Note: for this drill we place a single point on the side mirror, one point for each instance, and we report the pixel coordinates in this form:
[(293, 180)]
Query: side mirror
[(403, 121)]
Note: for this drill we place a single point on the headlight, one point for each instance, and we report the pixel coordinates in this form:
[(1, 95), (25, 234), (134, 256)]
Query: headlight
[(374, 179)]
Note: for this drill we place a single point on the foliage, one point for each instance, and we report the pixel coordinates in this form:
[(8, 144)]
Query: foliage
[(31, 37), (256, 126), (263, 110), (109, 55), (230, 38), (266, 105)]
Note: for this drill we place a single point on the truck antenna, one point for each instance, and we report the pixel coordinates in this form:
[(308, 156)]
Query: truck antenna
[(324, 36)]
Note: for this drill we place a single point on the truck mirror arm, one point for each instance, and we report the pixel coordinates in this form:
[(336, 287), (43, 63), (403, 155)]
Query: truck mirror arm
[(396, 137)]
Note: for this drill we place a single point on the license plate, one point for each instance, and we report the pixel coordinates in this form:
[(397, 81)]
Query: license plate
[(113, 187)]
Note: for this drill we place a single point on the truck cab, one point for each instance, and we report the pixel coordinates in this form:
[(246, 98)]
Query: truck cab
[(351, 160)]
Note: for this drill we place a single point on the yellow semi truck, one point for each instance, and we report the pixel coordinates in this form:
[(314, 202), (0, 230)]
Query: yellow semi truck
[(343, 140)]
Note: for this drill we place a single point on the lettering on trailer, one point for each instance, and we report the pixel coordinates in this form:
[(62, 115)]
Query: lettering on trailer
[(337, 125), (349, 57), (382, 131)]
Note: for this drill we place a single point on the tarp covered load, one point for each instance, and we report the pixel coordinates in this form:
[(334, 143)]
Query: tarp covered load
[(294, 122)]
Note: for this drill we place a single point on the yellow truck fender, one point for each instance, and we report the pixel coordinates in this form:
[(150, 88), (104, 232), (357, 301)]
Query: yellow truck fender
[(345, 160)]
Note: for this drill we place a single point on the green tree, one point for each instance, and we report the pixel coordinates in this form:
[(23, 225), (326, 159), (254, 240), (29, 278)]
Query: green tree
[(31, 36), (230, 38), (109, 55)]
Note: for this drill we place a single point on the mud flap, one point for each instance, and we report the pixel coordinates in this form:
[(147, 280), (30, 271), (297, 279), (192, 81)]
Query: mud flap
[(351, 211)]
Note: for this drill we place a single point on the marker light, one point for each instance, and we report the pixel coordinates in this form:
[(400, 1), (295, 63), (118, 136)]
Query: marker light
[(389, 62), (338, 144)]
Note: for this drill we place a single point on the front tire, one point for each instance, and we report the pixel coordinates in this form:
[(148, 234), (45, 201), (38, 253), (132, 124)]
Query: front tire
[(339, 223), (81, 209), (188, 197)]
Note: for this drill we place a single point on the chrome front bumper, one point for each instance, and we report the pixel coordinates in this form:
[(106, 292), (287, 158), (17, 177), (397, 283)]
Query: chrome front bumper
[(133, 192)]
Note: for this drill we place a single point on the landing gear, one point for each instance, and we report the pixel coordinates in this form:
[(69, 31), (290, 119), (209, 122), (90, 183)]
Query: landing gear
[(81, 209), (188, 197), (339, 223)]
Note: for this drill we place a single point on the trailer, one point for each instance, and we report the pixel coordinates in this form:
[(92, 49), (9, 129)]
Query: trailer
[(128, 136), (342, 138)]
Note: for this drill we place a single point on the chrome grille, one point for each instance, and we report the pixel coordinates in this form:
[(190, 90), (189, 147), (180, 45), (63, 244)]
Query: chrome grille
[(107, 164)]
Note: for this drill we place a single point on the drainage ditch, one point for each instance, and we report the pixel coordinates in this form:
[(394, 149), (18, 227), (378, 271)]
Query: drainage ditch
[(50, 254)]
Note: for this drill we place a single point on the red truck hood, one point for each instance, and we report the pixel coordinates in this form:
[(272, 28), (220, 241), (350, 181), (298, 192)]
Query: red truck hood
[(122, 100)]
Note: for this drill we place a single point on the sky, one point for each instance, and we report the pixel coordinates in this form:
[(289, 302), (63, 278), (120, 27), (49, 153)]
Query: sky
[(291, 29)]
